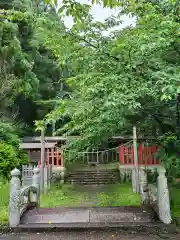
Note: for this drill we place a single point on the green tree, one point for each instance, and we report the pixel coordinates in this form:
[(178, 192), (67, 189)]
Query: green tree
[(120, 79), (31, 73)]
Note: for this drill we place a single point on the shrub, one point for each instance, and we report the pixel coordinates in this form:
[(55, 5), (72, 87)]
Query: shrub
[(9, 158), (169, 153), (4, 200), (9, 133)]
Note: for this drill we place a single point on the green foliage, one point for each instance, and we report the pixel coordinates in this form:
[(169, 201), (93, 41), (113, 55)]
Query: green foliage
[(169, 154), (174, 193), (9, 133), (8, 159), (91, 84), (4, 201), (126, 78), (30, 72), (10, 154)]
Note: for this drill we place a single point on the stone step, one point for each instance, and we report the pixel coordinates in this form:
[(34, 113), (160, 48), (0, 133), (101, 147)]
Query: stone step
[(89, 172), (121, 218), (91, 180), (93, 174), (92, 177), (144, 228), (86, 215), (110, 181), (95, 171), (91, 183)]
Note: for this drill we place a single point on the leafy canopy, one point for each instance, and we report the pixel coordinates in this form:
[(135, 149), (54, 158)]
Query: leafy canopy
[(116, 78)]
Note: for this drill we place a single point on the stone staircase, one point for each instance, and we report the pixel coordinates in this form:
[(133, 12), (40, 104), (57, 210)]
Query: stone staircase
[(93, 176)]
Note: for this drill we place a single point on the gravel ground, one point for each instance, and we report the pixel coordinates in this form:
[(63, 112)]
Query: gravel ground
[(91, 235)]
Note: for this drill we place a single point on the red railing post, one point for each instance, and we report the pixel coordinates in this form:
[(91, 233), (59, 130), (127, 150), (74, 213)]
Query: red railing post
[(47, 155), (150, 156), (62, 158), (121, 154), (132, 155), (145, 155), (141, 154), (57, 157), (126, 159), (52, 156)]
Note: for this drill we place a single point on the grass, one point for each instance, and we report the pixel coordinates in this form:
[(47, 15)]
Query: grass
[(175, 200), (69, 196), (118, 195), (62, 195), (4, 200)]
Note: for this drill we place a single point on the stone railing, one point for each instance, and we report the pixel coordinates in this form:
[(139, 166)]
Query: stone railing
[(127, 172), (22, 198), (58, 174), (157, 195)]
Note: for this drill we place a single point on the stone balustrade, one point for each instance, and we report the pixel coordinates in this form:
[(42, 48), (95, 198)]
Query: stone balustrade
[(22, 198), (157, 195)]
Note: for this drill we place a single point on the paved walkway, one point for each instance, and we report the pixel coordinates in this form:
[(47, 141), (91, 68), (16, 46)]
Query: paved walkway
[(91, 235)]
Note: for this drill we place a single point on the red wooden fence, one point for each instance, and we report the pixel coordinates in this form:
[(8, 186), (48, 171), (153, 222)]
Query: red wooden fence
[(54, 157), (146, 155)]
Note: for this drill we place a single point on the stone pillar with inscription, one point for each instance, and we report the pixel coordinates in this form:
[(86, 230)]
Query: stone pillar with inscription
[(14, 199), (134, 179), (163, 197), (36, 184), (144, 186)]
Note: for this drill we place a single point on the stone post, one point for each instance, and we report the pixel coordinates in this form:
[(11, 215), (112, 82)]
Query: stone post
[(42, 161), (36, 184), (122, 175), (136, 159), (14, 199), (62, 174), (62, 177), (49, 176), (163, 197), (45, 179), (133, 178), (144, 186)]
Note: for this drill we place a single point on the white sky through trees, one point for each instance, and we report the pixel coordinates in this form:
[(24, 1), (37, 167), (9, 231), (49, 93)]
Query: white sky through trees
[(100, 14)]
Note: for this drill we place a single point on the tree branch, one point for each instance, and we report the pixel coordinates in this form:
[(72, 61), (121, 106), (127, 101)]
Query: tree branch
[(94, 46)]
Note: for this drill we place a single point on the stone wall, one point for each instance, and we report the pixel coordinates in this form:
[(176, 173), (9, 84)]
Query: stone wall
[(126, 172)]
